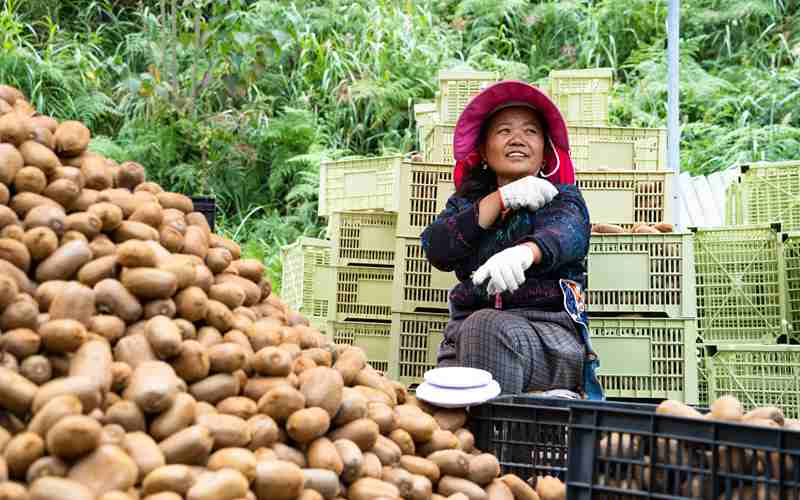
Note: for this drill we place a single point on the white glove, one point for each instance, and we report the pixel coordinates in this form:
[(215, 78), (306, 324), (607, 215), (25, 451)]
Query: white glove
[(530, 192), (505, 270)]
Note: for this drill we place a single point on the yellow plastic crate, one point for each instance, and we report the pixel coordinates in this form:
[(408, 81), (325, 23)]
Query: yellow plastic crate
[(642, 273), (618, 148), (307, 277), (362, 293), (439, 144), (769, 192), (626, 197), (418, 286), (426, 115), (740, 284), (582, 95), (362, 238), (423, 191), (358, 184), (758, 375), (457, 87), (649, 358), (791, 258), (733, 205), (374, 338), (415, 345), (702, 377), (322, 326)]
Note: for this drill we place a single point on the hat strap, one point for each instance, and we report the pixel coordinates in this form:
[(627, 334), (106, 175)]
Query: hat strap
[(558, 161)]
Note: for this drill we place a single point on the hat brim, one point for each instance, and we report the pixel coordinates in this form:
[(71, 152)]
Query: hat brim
[(480, 107)]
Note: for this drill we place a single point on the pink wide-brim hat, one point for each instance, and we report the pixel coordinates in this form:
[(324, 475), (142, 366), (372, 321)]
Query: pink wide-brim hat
[(502, 94)]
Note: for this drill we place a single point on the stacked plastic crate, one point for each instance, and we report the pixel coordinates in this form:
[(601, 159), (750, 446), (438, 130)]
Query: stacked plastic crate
[(748, 290), (307, 268), (640, 286), (359, 199), (419, 307), (343, 284)]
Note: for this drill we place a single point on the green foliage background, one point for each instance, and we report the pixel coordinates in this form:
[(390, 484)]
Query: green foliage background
[(241, 99)]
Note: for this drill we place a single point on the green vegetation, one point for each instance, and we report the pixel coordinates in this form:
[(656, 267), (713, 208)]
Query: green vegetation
[(241, 99)]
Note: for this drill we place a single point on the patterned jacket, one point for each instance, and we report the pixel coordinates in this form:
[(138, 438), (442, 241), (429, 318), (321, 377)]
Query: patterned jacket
[(455, 242)]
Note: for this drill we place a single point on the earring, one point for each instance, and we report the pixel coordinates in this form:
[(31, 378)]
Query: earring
[(485, 166)]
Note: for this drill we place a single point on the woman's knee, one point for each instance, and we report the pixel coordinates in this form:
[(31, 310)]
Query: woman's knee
[(488, 326), (483, 319)]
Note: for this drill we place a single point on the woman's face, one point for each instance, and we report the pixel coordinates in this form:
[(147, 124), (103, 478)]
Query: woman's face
[(514, 144)]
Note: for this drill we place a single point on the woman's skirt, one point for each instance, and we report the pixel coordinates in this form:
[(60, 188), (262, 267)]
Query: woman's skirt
[(525, 350)]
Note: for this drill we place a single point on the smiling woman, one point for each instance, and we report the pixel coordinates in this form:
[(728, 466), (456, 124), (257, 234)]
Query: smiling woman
[(516, 233)]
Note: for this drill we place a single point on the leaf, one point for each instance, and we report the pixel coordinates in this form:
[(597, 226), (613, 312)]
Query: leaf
[(243, 39)]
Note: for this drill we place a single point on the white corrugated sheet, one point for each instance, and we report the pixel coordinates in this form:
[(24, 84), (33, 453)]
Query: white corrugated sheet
[(703, 198)]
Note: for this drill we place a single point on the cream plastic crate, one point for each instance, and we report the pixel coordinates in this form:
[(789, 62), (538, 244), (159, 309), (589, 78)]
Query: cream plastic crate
[(374, 338), (363, 238), (582, 95), (358, 184), (642, 273), (457, 87), (439, 144), (362, 293), (648, 358), (415, 345), (418, 286), (423, 191), (591, 148), (618, 148), (307, 278), (426, 115), (626, 198)]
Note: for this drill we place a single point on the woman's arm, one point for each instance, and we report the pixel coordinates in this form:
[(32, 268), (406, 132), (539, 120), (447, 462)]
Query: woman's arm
[(454, 235), (560, 230), (490, 208)]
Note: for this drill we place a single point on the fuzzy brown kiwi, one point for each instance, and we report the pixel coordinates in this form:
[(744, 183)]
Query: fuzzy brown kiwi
[(96, 173), (30, 179), (49, 216), (39, 156), (10, 162), (14, 128), (72, 138)]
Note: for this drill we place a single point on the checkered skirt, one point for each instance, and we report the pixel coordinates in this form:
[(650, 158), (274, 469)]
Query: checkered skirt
[(526, 350)]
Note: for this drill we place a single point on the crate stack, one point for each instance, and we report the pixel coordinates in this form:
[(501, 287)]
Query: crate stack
[(358, 198), (640, 287), (307, 270), (748, 290)]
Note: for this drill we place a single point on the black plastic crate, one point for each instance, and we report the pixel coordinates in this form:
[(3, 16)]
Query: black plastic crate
[(529, 434), (618, 453), (206, 206)]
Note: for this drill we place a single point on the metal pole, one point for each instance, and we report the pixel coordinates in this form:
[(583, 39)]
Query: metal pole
[(673, 105)]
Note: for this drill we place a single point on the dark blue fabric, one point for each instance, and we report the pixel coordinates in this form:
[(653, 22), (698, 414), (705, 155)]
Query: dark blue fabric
[(454, 241)]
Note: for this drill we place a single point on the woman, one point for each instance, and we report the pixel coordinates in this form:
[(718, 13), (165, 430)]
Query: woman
[(516, 233)]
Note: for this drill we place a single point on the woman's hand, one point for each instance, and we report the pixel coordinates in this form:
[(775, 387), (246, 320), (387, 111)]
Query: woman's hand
[(529, 192), (506, 270)]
